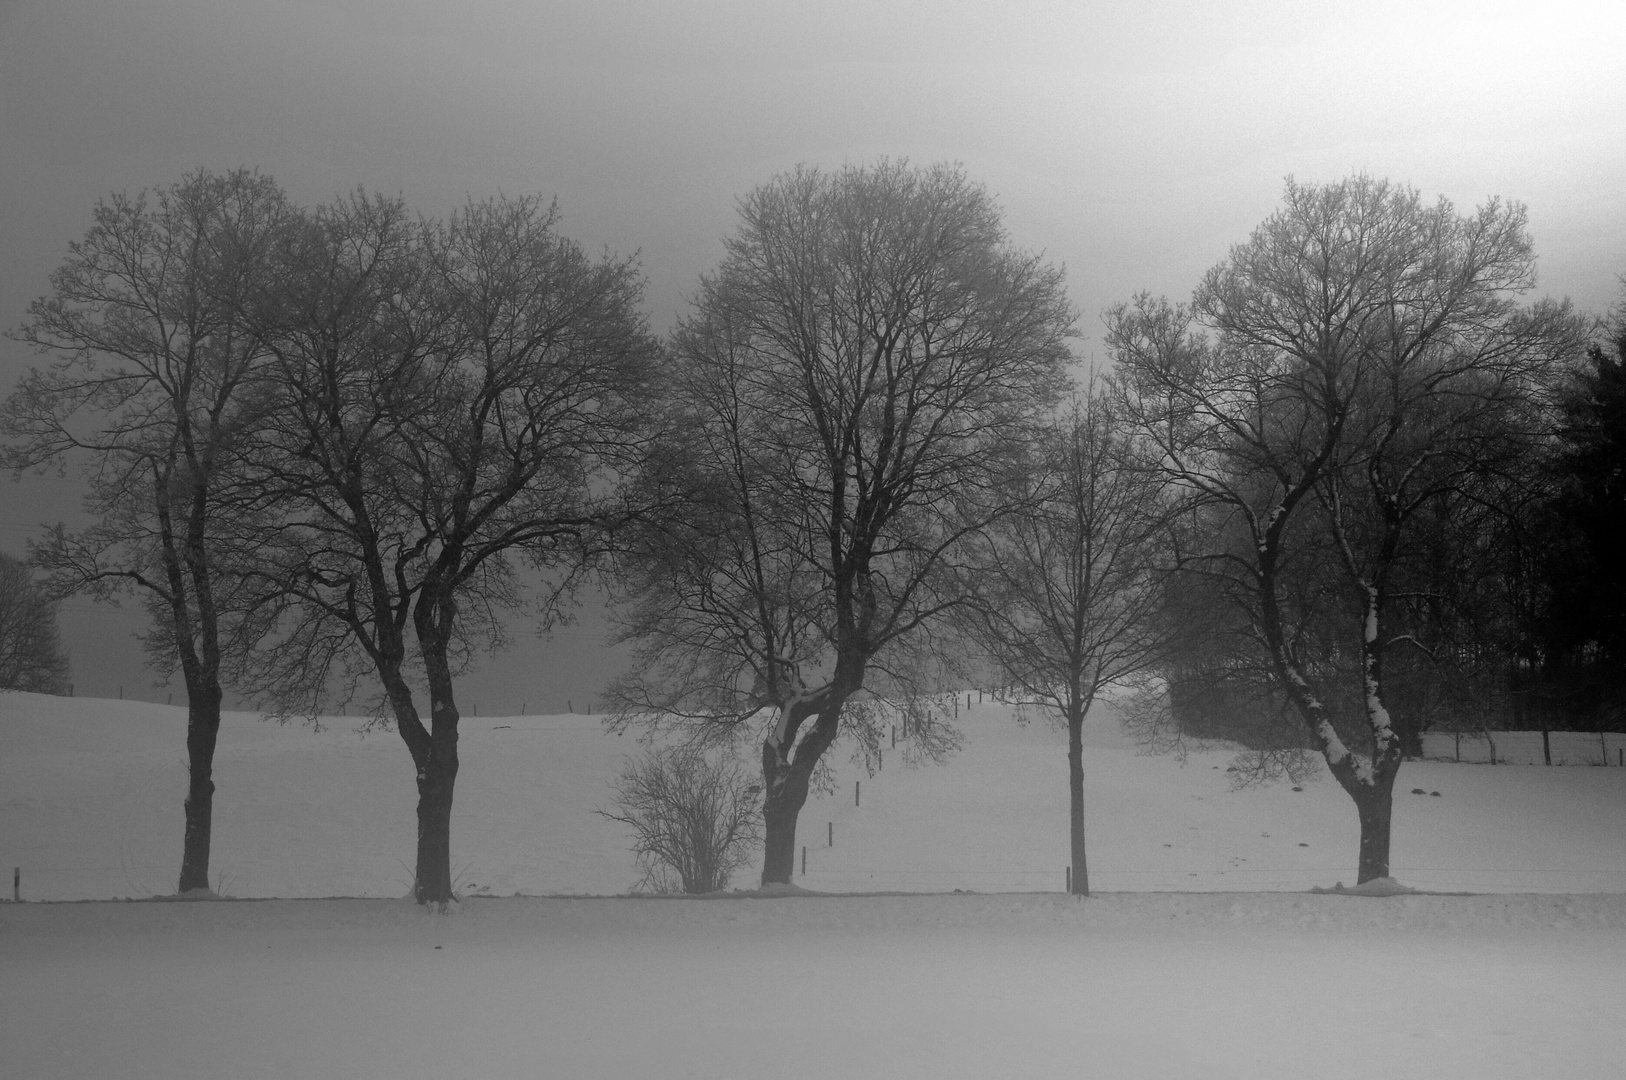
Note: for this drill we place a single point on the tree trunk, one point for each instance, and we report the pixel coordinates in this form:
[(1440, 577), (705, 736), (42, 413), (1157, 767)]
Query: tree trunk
[(202, 731), (1075, 787), (785, 786), (1410, 732), (1375, 806), (434, 762), (437, 776), (779, 834)]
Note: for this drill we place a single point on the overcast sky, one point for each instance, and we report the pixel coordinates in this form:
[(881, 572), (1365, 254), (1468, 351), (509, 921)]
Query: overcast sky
[(1132, 142)]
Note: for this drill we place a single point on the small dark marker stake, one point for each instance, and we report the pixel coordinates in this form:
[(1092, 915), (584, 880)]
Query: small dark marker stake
[(832, 840), (804, 860), (855, 791), (16, 884)]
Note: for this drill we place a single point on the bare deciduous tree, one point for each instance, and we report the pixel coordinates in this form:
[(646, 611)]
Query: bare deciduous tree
[(451, 397), (1356, 360), (1069, 586), (152, 319), (876, 353)]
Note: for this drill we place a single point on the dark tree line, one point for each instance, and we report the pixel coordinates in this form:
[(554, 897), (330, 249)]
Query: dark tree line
[(1569, 661), (32, 658), (334, 449)]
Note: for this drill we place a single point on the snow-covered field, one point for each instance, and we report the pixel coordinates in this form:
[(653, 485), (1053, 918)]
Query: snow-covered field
[(1136, 985), (1186, 964), (91, 793)]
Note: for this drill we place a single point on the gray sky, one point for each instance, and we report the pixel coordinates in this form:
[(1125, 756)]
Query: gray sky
[(1132, 142)]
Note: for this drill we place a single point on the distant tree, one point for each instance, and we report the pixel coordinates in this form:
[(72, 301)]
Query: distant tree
[(1069, 585), (1367, 361), (1584, 520), (152, 320), (449, 397), (882, 354), (693, 815), (31, 653)]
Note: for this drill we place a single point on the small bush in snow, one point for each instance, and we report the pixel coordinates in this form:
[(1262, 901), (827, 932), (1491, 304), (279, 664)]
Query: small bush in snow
[(693, 816)]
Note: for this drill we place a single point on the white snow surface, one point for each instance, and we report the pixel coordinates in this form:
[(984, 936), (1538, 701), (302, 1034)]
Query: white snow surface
[(1135, 985), (91, 794), (1195, 959)]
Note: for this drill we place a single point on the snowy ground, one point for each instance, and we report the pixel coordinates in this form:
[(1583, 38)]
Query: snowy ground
[(1142, 985), (1139, 981), (91, 793)]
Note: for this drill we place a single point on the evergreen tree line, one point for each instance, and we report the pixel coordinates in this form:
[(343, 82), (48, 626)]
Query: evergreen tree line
[(1353, 489)]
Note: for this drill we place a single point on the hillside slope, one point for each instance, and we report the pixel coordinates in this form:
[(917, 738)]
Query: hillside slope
[(91, 793)]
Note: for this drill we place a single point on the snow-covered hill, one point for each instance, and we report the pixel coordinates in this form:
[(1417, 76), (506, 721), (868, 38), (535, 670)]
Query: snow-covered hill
[(91, 793)]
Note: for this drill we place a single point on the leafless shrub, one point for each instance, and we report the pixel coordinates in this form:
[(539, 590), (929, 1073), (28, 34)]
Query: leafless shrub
[(693, 816)]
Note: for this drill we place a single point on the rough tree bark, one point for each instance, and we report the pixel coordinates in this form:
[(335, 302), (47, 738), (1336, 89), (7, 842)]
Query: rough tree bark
[(1075, 794)]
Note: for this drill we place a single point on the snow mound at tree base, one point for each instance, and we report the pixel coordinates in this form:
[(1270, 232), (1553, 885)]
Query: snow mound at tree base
[(1383, 886)]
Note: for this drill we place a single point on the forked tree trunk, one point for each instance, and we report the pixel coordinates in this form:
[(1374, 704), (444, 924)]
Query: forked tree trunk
[(1075, 787), (785, 786), (435, 764), (1375, 806), (1373, 796), (202, 732)]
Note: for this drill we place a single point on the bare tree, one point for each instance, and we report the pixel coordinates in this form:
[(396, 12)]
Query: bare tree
[(151, 316), (31, 653), (692, 814), (451, 397), (1070, 587), (886, 351), (1366, 358)]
